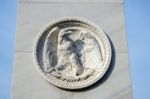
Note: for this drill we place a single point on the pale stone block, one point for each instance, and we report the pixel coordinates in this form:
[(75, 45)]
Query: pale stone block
[(110, 18), (28, 83), (33, 15)]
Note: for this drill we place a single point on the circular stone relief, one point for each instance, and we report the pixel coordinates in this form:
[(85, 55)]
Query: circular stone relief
[(72, 53)]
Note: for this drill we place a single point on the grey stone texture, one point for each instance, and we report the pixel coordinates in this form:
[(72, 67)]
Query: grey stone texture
[(33, 15)]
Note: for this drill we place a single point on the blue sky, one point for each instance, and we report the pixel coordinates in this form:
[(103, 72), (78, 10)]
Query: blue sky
[(137, 13)]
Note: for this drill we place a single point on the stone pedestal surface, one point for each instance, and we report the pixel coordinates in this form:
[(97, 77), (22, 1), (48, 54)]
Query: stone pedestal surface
[(33, 15)]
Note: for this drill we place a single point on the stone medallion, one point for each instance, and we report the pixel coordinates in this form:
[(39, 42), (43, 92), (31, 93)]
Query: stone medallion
[(72, 53)]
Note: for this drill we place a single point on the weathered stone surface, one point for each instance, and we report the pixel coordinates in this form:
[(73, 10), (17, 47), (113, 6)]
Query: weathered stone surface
[(33, 15), (28, 84)]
